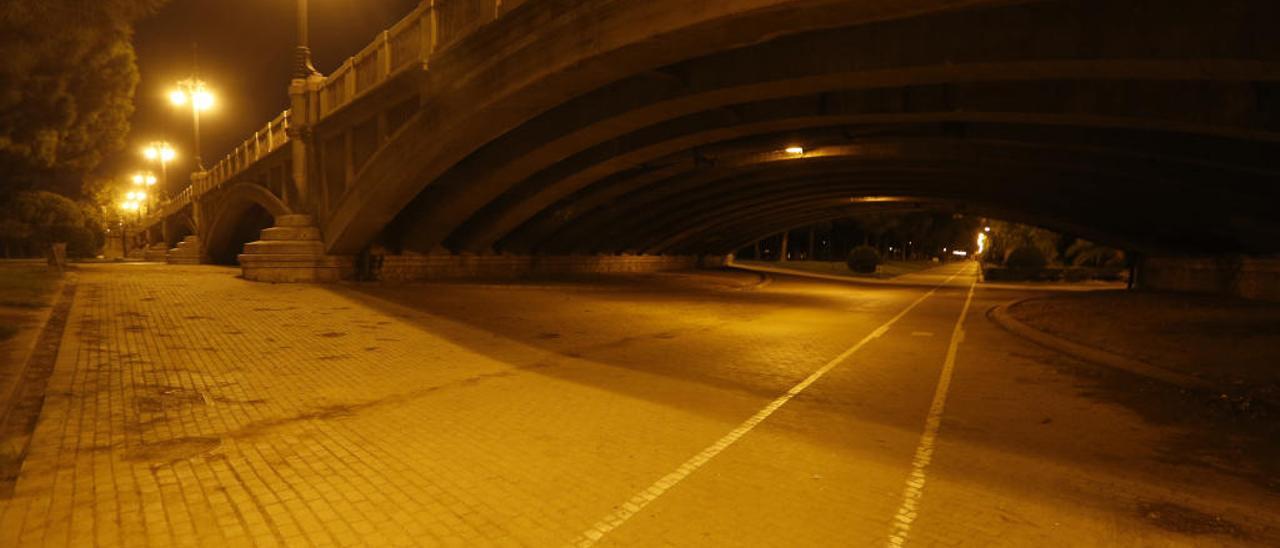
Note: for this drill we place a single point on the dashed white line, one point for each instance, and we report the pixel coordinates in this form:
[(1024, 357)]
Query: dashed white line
[(633, 506), (914, 490)]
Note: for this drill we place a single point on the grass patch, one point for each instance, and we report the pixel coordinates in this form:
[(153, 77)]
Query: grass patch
[(26, 285), (888, 269)]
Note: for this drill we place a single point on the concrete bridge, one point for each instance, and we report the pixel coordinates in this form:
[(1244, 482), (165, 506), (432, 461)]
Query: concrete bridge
[(500, 136)]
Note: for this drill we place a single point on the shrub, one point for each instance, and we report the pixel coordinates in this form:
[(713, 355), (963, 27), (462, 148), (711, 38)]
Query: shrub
[(864, 259), (1027, 258)]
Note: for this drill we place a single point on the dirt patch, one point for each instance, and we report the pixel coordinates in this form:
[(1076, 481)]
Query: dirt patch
[(157, 399), (174, 450), (1229, 341), (1187, 521)]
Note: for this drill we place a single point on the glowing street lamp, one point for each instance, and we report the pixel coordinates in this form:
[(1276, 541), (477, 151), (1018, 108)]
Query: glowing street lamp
[(194, 94), (144, 179), (160, 152), (794, 151)]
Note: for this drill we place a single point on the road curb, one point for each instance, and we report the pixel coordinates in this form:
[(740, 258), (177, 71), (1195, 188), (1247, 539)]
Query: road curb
[(1001, 316), (763, 281), (9, 390), (819, 276)]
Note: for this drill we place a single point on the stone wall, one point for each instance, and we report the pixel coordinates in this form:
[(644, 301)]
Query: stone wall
[(1248, 277), (436, 267)]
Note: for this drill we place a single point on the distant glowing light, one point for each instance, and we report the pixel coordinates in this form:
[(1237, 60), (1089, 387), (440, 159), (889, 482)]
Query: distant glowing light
[(960, 253), (876, 199), (159, 151), (987, 229), (795, 151), (193, 93), (203, 100), (982, 242)]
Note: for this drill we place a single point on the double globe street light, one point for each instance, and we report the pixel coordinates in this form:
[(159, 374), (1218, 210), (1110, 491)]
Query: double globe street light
[(160, 152), (193, 93)]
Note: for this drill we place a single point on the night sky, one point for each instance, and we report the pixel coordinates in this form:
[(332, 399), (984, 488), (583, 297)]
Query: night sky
[(246, 55)]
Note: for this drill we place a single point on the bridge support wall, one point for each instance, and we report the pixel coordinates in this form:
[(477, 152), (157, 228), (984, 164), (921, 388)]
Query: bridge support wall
[(1249, 277), (403, 268)]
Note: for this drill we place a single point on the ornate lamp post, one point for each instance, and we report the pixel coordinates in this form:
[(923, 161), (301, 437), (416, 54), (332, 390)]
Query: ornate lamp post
[(302, 67)]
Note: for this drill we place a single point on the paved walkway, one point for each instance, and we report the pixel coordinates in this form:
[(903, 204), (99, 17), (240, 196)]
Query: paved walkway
[(189, 407)]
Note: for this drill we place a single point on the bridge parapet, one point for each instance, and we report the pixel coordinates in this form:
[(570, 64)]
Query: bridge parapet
[(263, 142), (432, 26), (407, 46)]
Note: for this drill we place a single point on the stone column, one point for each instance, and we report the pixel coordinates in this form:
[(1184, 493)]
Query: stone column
[(299, 132)]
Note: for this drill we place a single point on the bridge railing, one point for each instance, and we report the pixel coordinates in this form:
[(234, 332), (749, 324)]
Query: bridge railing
[(431, 27), (263, 142), (270, 138)]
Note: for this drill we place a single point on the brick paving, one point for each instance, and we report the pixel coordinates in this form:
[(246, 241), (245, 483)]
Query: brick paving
[(189, 407)]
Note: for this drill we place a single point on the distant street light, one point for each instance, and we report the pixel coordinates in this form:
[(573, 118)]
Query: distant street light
[(142, 181), (160, 152), (194, 93), (795, 151)]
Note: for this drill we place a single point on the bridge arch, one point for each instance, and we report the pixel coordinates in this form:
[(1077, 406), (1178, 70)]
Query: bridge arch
[(239, 213), (668, 135)]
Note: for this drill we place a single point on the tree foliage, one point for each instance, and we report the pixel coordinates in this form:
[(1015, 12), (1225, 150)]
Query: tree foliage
[(67, 79), (863, 259), (1086, 253), (32, 220), (1008, 236)]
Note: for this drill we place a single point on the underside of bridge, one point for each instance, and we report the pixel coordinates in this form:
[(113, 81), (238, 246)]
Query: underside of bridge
[(239, 227), (651, 127)]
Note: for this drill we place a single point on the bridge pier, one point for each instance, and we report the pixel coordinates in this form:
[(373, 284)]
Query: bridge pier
[(188, 251), (293, 251), (155, 252)]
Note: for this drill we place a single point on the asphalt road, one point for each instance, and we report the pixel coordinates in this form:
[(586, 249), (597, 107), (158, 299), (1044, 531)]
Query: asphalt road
[(704, 409)]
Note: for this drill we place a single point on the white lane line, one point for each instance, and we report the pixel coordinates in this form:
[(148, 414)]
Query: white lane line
[(914, 490), (633, 506)]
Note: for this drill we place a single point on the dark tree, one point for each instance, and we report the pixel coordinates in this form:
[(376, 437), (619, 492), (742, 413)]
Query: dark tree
[(67, 79), (31, 221)]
